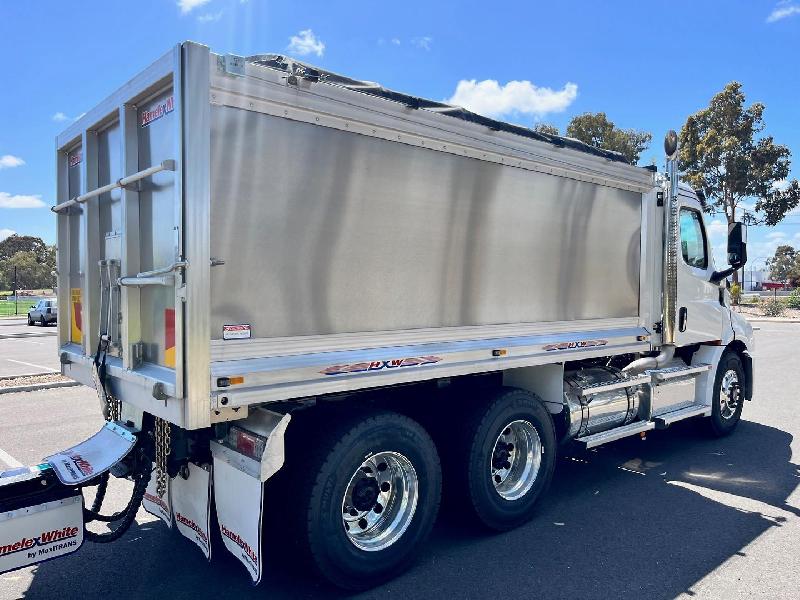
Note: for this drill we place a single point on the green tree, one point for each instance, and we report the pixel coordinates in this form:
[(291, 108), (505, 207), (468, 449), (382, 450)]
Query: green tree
[(22, 243), (785, 265), (595, 129), (723, 153), (546, 128), (32, 273)]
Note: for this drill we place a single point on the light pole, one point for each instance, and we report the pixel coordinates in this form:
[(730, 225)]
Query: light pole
[(16, 299)]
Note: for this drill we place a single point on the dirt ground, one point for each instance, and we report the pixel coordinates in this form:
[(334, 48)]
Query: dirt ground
[(757, 310)]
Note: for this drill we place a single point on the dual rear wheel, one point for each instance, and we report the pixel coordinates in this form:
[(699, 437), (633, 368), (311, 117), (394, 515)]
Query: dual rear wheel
[(365, 490)]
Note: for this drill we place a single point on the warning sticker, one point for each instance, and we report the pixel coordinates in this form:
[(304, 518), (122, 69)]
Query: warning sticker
[(76, 301), (235, 332)]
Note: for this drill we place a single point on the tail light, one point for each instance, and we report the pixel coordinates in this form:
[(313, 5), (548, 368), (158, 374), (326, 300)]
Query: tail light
[(246, 442)]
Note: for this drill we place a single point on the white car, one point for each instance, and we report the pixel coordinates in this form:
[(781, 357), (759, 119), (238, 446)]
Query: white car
[(43, 312)]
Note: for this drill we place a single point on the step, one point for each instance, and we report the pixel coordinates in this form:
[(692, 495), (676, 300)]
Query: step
[(674, 372), (615, 385), (665, 420), (597, 439)]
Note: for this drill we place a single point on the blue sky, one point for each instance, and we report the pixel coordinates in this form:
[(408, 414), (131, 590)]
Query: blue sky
[(648, 65)]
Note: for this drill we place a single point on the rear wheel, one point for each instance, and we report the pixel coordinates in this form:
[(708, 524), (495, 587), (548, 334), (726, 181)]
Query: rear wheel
[(728, 399), (42, 322), (365, 499), (507, 458)]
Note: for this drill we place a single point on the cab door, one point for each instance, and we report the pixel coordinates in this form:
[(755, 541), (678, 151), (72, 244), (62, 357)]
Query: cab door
[(700, 310)]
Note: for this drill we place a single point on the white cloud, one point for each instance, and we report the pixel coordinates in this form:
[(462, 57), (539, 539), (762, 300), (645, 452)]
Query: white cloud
[(423, 42), (775, 235), (210, 17), (783, 10), (60, 117), (188, 6), (491, 99), (396, 41), (305, 43), (20, 201), (780, 184), (718, 229), (4, 233), (9, 162)]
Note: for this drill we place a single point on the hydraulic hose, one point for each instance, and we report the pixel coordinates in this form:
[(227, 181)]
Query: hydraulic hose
[(125, 517)]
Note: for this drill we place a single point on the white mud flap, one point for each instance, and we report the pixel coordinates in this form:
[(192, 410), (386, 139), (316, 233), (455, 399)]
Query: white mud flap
[(191, 502), (240, 501), (157, 506), (94, 456), (50, 528), (239, 484)]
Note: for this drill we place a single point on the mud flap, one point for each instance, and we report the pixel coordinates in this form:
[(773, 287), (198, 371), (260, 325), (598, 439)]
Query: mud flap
[(157, 506), (39, 518), (94, 456), (191, 502), (239, 487), (240, 502)]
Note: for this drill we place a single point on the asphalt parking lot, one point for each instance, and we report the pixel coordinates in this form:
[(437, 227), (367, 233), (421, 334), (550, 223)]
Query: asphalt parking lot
[(677, 515), (25, 350)]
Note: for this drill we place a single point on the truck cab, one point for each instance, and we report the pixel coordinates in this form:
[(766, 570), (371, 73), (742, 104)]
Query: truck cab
[(703, 302)]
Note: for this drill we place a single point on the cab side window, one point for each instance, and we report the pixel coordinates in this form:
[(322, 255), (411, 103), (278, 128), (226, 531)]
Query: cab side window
[(693, 239)]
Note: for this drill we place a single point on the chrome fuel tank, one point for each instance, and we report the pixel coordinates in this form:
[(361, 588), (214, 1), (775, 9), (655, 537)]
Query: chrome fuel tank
[(597, 400)]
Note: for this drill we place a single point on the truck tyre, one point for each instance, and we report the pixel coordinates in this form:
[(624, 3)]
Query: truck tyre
[(728, 398), (507, 458), (366, 497)]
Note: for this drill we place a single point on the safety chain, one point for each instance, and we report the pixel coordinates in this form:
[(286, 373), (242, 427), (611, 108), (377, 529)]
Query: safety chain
[(162, 430), (113, 409)]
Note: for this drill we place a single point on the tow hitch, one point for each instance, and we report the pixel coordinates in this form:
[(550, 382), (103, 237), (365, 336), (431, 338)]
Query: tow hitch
[(41, 508)]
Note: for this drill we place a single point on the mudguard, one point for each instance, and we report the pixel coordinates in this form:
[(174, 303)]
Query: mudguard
[(239, 487)]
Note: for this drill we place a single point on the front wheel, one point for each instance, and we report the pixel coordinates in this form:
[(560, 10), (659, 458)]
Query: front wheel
[(366, 499), (728, 399), (510, 454)]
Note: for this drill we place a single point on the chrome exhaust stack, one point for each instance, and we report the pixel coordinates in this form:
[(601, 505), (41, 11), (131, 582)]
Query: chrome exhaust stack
[(670, 280)]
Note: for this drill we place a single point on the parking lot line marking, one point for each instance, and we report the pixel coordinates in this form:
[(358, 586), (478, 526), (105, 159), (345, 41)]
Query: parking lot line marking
[(27, 364), (10, 460)]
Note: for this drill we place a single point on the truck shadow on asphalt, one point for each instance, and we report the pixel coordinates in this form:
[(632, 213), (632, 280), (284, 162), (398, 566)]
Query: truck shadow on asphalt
[(629, 520)]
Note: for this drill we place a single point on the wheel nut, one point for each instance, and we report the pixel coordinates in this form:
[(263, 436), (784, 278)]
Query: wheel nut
[(362, 523), (498, 479), (353, 512), (510, 447), (382, 467), (506, 465), (378, 508), (385, 487)]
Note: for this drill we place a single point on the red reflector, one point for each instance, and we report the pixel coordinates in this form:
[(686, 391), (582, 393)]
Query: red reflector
[(246, 442)]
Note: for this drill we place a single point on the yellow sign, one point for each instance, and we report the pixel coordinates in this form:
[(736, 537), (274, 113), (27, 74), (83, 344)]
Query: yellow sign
[(76, 304)]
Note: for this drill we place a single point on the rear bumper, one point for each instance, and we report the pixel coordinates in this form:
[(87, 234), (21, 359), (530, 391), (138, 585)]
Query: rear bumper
[(150, 388)]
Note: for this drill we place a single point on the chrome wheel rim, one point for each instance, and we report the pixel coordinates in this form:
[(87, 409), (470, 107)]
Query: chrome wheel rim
[(516, 459), (380, 501), (729, 394)]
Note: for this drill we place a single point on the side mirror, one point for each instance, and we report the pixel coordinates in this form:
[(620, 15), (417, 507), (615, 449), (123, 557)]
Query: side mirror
[(737, 245), (737, 251)]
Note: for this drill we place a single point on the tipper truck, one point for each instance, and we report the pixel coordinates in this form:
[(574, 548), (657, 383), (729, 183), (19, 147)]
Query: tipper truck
[(307, 303)]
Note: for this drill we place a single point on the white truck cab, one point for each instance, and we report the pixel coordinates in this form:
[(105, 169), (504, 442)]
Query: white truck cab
[(704, 311)]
